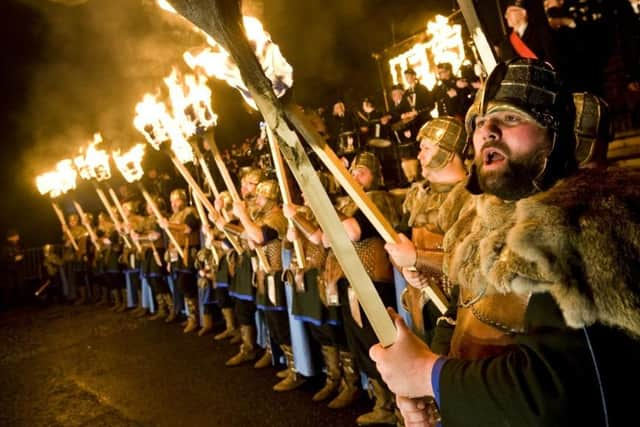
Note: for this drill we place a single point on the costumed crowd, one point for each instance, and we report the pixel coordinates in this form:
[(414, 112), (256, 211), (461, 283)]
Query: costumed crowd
[(505, 205)]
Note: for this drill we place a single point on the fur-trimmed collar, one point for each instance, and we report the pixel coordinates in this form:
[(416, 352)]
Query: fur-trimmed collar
[(580, 241)]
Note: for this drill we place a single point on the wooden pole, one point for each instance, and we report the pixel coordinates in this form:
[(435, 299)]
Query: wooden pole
[(65, 227), (284, 190), (159, 218), (114, 218)]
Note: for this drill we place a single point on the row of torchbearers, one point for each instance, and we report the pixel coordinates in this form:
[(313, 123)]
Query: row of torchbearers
[(262, 76)]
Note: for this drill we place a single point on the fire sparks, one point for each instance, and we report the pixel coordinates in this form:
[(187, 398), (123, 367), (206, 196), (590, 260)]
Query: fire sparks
[(130, 163), (216, 62), (444, 45), (59, 181)]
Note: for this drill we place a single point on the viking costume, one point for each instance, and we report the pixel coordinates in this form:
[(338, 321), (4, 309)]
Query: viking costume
[(153, 267), (185, 226), (100, 278), (370, 248), (421, 208), (131, 263), (222, 279), (241, 287), (75, 261), (548, 317), (323, 320)]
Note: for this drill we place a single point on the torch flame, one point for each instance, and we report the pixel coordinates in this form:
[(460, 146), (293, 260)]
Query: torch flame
[(150, 119), (157, 126), (130, 163), (444, 45), (190, 102), (216, 62), (58, 181), (45, 182), (97, 161)]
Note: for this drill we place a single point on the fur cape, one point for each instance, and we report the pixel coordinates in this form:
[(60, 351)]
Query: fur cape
[(579, 241)]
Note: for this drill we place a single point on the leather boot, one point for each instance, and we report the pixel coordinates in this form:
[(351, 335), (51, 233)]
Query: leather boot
[(332, 382), (236, 337), (104, 296), (247, 351), (82, 290), (383, 409), (123, 307), (172, 316), (227, 314), (348, 390), (293, 380), (265, 360), (115, 293), (139, 311), (192, 320), (207, 324), (161, 311), (283, 373)]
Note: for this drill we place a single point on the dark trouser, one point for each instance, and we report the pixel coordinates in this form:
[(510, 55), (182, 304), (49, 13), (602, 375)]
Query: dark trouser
[(136, 283), (245, 312), (328, 335), (115, 280), (278, 324), (158, 285), (223, 299), (188, 284), (360, 339)]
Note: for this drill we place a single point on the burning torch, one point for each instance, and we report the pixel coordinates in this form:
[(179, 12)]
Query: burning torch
[(55, 184), (130, 165), (94, 166), (262, 80)]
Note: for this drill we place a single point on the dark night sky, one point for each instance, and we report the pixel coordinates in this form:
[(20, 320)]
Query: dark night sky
[(69, 71)]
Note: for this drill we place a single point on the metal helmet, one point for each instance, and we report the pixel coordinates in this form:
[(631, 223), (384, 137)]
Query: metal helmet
[(131, 206), (593, 128), (252, 175), (227, 201), (160, 204), (179, 193), (269, 189), (531, 87), (448, 134), (369, 160)]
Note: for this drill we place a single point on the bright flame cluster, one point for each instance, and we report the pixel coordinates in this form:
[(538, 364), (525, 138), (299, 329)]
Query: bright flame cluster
[(444, 45), (130, 163), (58, 181), (216, 62), (95, 163), (190, 102)]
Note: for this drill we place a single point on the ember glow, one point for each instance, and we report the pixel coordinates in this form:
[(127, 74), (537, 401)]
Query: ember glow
[(130, 163), (59, 181), (216, 62), (444, 45)]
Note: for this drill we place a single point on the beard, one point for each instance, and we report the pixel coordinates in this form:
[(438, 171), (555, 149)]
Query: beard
[(516, 179)]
